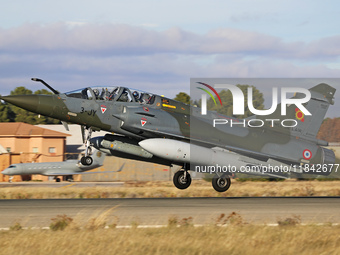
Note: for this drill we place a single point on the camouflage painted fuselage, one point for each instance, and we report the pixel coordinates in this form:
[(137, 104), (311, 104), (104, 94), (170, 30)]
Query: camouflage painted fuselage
[(160, 117)]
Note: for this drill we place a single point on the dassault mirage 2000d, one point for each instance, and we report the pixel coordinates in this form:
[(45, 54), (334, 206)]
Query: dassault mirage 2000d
[(156, 129)]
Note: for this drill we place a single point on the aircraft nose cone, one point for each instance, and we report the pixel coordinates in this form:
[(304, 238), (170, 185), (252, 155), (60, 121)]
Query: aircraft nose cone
[(6, 171), (28, 102)]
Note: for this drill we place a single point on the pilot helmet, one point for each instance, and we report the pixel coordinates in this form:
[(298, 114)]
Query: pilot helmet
[(135, 94)]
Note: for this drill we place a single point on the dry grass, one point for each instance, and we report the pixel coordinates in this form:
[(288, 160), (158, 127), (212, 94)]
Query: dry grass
[(232, 239), (228, 234), (166, 189)]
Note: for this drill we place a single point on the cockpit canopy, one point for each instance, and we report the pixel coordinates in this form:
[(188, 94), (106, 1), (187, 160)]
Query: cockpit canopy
[(119, 94)]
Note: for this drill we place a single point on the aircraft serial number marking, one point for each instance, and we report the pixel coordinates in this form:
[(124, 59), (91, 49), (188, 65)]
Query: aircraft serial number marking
[(90, 113), (320, 168)]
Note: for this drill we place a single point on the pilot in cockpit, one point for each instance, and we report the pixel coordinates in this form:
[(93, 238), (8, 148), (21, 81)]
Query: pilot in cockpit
[(136, 96), (110, 95), (107, 94)]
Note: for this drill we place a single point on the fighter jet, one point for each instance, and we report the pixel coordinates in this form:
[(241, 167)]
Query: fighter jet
[(66, 168), (152, 128)]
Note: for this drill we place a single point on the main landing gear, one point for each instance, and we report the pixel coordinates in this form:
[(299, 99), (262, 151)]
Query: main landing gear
[(221, 182), (87, 160), (182, 179)]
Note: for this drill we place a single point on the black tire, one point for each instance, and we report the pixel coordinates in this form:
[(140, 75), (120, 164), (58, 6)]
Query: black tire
[(86, 161), (57, 179), (83, 161), (221, 184), (180, 182)]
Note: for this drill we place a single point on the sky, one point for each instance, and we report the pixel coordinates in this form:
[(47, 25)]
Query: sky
[(158, 46)]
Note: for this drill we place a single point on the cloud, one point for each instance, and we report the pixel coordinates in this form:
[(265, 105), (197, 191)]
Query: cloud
[(73, 55), (120, 39)]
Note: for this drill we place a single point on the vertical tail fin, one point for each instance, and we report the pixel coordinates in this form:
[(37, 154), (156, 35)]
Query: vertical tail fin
[(322, 96), (308, 126)]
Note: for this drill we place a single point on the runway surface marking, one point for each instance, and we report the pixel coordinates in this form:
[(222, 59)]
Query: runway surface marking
[(70, 185)]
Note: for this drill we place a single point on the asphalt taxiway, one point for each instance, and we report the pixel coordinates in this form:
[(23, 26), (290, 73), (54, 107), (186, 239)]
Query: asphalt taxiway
[(157, 211)]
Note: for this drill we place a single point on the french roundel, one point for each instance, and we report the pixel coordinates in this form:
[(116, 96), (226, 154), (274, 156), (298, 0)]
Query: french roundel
[(307, 154)]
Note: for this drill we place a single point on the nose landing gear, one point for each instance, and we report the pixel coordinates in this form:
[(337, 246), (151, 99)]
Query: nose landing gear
[(87, 160)]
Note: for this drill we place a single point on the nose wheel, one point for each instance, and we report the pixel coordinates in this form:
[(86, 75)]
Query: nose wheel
[(86, 160)]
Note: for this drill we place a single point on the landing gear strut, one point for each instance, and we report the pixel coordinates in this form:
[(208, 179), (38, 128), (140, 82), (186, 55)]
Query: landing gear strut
[(182, 179), (221, 183), (87, 160)]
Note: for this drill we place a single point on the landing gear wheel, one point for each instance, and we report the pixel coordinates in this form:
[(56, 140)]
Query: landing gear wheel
[(221, 183), (182, 180), (83, 161), (57, 179), (86, 161)]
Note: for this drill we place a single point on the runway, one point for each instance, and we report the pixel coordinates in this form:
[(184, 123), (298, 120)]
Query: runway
[(156, 211), (52, 184)]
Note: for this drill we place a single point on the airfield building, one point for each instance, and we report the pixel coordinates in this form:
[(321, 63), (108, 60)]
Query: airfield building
[(24, 143)]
